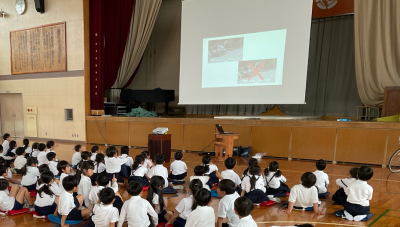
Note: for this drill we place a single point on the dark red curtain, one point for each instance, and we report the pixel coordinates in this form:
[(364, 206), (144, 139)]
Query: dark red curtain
[(109, 29)]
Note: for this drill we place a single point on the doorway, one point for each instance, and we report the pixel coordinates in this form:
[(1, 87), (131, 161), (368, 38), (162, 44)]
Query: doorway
[(12, 115)]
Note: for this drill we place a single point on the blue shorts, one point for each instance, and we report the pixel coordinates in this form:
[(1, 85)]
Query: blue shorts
[(44, 211), (17, 205), (161, 217)]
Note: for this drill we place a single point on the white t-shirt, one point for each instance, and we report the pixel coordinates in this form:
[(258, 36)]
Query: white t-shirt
[(140, 172), (113, 165), (203, 179), (345, 183), (275, 182), (322, 181), (62, 176), (202, 216), (42, 158), (211, 168), (85, 186), (32, 173), (259, 184), (159, 170), (53, 167), (96, 189), (247, 222), (135, 211), (76, 158), (129, 161), (19, 162), (226, 209), (44, 199), (304, 197), (93, 157), (147, 163), (35, 153), (102, 168), (6, 201), (6, 145), (184, 207), (28, 150), (231, 175), (104, 215), (156, 202), (65, 203), (178, 167), (360, 192)]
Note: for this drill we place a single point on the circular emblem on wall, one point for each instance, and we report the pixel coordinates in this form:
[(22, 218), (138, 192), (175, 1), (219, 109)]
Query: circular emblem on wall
[(326, 4)]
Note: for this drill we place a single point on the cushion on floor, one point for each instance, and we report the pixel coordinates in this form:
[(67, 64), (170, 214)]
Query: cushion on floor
[(214, 193), (57, 220), (33, 193), (267, 203), (15, 212)]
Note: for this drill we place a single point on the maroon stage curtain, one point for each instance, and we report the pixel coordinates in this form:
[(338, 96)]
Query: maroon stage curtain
[(109, 30)]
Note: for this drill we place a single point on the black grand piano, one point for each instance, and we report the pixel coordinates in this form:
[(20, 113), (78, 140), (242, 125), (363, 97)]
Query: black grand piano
[(148, 96)]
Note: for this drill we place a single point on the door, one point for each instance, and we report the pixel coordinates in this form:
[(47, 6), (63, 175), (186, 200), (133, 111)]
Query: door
[(7, 114), (18, 116)]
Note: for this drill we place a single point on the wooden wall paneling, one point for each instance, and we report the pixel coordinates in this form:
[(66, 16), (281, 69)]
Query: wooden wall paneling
[(138, 133), (176, 131), (392, 144), (96, 132), (361, 145), (197, 136), (272, 140), (313, 143), (244, 137), (117, 133)]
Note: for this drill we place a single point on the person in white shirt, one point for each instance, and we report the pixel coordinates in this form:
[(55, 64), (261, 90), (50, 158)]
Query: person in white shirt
[(69, 208), (13, 200), (6, 143), (99, 167), (85, 184), (20, 161), (156, 200), (9, 155), (160, 170), (126, 168), (322, 179), (35, 150), (28, 150), (199, 174), (340, 195), (360, 193), (202, 215), (5, 172), (30, 173), (147, 161), (304, 196), (94, 150), (85, 156), (227, 192), (253, 185), (212, 170), (178, 168), (51, 157), (243, 207), (230, 174), (252, 161), (63, 171), (275, 181), (113, 164), (139, 171), (42, 158), (104, 213), (48, 195), (104, 182), (76, 157), (50, 146), (184, 207), (135, 209)]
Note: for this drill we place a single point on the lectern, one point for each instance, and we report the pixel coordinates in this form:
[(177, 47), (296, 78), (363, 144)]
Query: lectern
[(221, 141), (159, 144)]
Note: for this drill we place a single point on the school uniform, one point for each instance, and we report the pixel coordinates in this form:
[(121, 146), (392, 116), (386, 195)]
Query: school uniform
[(184, 208), (44, 203), (247, 221), (35, 153), (6, 145), (98, 169), (85, 186), (9, 156), (257, 194), (322, 183), (67, 206), (93, 157), (159, 170), (8, 202), (126, 168), (203, 179), (113, 167), (147, 163), (276, 185), (231, 175), (357, 203), (135, 211), (303, 198), (340, 195), (202, 216), (138, 174), (226, 209), (19, 162), (161, 213), (28, 152), (60, 185), (42, 158), (94, 199), (104, 215), (53, 167), (178, 170), (76, 158), (30, 178), (212, 170)]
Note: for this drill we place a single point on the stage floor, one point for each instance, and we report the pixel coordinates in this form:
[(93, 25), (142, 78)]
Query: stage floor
[(384, 205)]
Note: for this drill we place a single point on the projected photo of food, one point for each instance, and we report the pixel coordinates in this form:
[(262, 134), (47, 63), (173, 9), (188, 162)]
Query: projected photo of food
[(225, 50), (257, 71)]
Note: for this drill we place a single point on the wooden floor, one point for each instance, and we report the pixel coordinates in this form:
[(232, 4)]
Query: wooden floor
[(385, 204)]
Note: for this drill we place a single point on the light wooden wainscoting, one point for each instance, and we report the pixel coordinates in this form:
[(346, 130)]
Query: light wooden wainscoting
[(273, 140)]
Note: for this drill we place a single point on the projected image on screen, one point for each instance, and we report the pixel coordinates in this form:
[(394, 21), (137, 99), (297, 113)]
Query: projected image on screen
[(257, 71), (223, 50), (254, 59)]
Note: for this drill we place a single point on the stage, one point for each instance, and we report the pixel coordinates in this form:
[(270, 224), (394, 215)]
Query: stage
[(349, 142)]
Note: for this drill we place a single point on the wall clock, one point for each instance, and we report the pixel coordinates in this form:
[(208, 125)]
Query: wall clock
[(20, 6)]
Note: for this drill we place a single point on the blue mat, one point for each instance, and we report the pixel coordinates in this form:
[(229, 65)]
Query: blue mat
[(214, 193), (57, 220)]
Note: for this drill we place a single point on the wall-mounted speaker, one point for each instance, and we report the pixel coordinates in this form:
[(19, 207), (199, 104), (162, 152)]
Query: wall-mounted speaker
[(39, 5)]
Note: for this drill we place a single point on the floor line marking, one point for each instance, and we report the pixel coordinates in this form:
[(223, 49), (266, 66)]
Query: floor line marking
[(379, 217)]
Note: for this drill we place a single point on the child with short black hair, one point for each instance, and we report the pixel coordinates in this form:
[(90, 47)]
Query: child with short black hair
[(63, 171), (6, 172), (148, 163), (126, 168), (10, 154), (6, 143), (35, 150), (178, 168), (360, 193), (135, 209), (340, 195), (252, 161), (99, 167), (104, 182), (230, 163), (304, 196), (20, 161), (199, 172), (139, 171), (85, 184), (41, 157), (28, 150), (85, 156), (202, 214), (51, 145), (69, 207), (243, 207), (185, 206), (48, 194), (253, 185), (104, 214), (275, 181), (13, 200), (322, 179), (30, 173), (76, 158), (94, 150), (227, 192), (155, 198), (114, 163), (160, 170), (212, 170), (51, 157)]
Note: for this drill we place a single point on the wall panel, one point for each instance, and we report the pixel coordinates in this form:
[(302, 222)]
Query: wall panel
[(138, 133), (272, 140), (197, 137)]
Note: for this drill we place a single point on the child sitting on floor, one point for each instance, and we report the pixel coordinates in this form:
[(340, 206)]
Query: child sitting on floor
[(199, 174), (50, 146), (155, 198), (48, 195), (340, 195), (136, 210), (30, 173), (51, 157), (178, 168), (5, 172), (63, 171), (148, 163), (6, 143), (42, 158), (160, 170), (13, 200), (113, 164), (202, 214), (275, 181), (139, 171), (243, 207), (104, 182), (99, 167), (35, 150), (253, 185), (212, 170), (20, 161), (76, 158), (227, 192), (230, 174), (85, 156), (252, 161), (85, 184), (94, 150), (126, 168), (104, 213), (28, 150), (322, 179), (9, 156)]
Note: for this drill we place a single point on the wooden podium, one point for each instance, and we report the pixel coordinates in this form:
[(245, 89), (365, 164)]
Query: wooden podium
[(221, 141), (159, 144)]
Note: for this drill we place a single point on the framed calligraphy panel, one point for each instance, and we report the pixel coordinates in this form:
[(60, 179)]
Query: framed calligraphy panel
[(39, 49)]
